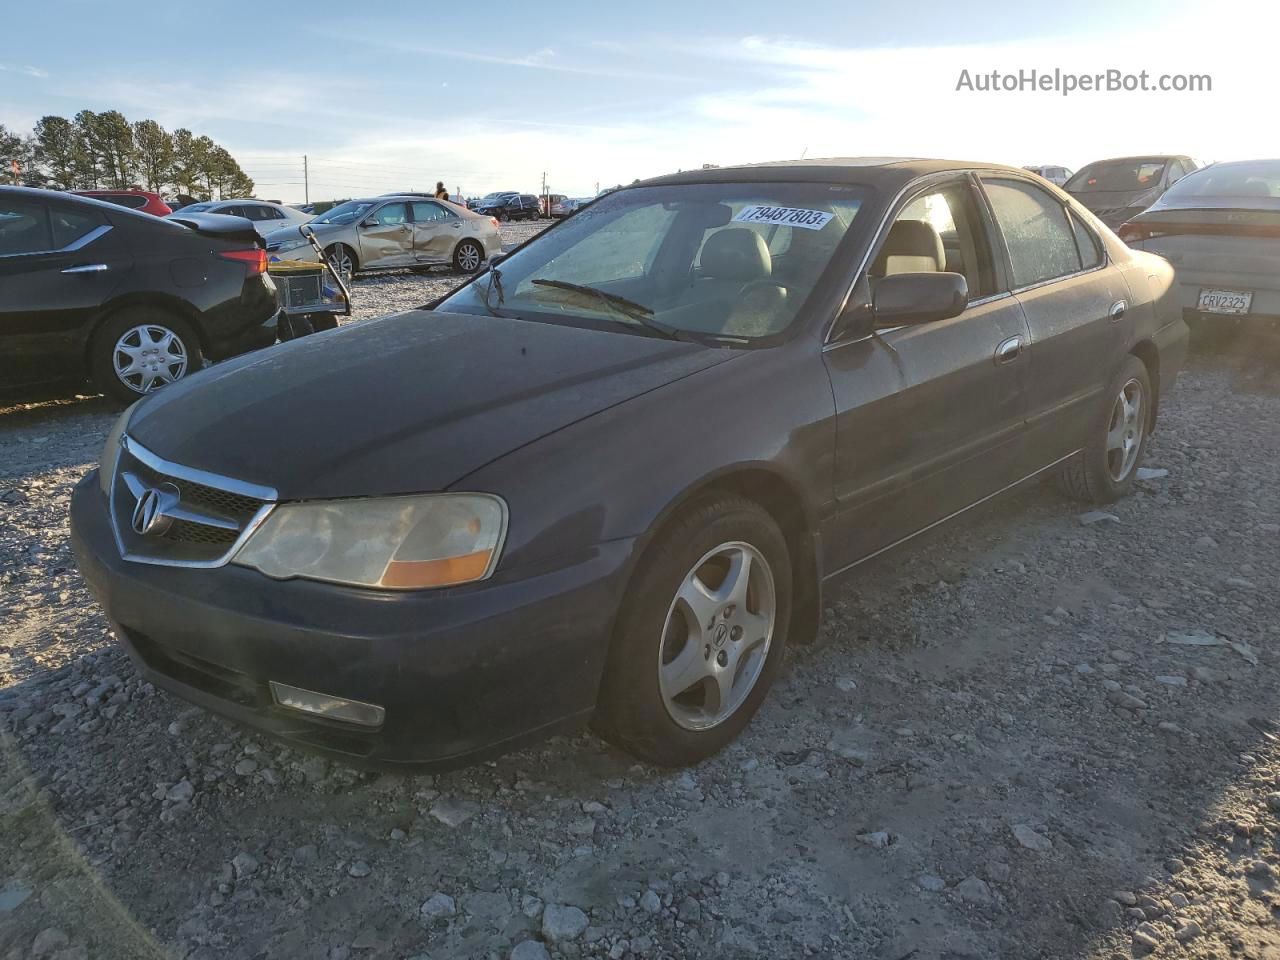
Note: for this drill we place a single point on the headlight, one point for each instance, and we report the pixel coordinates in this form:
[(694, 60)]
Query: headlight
[(111, 451), (392, 543), (293, 245)]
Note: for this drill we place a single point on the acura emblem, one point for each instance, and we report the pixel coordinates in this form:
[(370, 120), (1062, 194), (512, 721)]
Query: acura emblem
[(149, 512)]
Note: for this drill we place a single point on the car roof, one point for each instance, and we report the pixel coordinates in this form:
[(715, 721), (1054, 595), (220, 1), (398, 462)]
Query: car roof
[(68, 196), (889, 170)]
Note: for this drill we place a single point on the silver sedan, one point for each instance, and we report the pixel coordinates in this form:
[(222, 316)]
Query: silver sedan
[(385, 232)]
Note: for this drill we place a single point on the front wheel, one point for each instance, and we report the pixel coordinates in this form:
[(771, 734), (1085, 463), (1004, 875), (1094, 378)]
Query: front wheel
[(504, 217), (140, 350), (342, 259), (467, 257), (700, 636), (1107, 468)]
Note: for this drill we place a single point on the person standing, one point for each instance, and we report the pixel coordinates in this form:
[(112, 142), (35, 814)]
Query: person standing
[(441, 192)]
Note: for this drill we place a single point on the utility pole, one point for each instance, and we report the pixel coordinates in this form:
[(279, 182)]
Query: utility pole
[(306, 181), (546, 207)]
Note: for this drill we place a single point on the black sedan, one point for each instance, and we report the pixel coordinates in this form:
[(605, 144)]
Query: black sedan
[(95, 291), (608, 479)]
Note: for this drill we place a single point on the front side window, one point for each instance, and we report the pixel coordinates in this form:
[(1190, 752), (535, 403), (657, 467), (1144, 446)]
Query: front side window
[(392, 214), (24, 226), (1037, 233), (693, 261), (939, 231)]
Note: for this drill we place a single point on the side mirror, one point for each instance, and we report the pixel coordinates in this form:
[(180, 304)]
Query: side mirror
[(368, 223), (908, 298)]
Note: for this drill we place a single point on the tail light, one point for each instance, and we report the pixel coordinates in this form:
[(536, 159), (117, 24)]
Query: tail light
[(1129, 232), (255, 259), (494, 221)]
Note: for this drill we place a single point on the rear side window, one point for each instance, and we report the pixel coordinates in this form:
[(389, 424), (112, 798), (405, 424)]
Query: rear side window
[(130, 200), (71, 225), (1040, 239), (424, 211), (24, 226), (1087, 242)]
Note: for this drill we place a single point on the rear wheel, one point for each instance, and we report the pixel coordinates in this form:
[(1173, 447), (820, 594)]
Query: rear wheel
[(140, 350), (467, 257), (504, 217), (1107, 468), (700, 636), (342, 259)]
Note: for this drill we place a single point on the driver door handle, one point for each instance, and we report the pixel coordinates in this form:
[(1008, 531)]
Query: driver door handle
[(1009, 350), (1118, 309), (87, 268)]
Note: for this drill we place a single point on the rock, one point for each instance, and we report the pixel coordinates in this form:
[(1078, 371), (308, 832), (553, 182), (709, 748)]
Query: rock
[(529, 950), (398, 835), (1273, 802), (593, 807), (244, 865), (650, 902), (1188, 931), (531, 906), (48, 941), (1152, 473), (1030, 839), (494, 907), (246, 766), (561, 922), (1097, 516), (437, 905), (1207, 675), (1172, 680), (180, 792), (13, 898), (1126, 897), (973, 890), (453, 813), (1143, 943), (1239, 583), (1126, 701), (1206, 543), (934, 884), (359, 869), (847, 684), (878, 839), (690, 911)]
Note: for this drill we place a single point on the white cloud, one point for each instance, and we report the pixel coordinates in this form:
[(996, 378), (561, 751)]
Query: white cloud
[(25, 69)]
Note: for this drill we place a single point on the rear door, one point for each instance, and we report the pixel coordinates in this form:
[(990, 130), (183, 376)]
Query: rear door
[(58, 264), (436, 231), (1076, 304), (929, 416), (386, 236)]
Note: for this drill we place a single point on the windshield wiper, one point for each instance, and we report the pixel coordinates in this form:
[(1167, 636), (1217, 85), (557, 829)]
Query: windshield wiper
[(628, 308)]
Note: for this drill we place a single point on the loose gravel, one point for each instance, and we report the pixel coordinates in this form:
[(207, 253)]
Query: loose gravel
[(1025, 736)]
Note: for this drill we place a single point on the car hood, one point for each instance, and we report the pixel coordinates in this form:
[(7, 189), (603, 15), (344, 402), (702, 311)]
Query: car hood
[(407, 403), (290, 234)]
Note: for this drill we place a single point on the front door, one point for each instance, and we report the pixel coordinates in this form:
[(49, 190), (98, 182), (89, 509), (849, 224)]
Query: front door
[(1077, 309), (386, 236), (929, 416), (58, 265), (436, 231)]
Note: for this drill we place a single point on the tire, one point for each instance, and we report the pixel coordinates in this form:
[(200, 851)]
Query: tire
[(504, 217), (467, 256), (1107, 468), (139, 350), (656, 635), (343, 259)]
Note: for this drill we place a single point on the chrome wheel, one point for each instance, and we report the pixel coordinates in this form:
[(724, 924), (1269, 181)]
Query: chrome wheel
[(1125, 431), (149, 356), (340, 260), (469, 258), (717, 635)]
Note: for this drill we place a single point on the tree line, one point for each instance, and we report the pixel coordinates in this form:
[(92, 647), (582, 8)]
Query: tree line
[(104, 151)]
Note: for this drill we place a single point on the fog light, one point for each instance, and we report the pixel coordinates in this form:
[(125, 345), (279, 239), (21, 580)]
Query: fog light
[(327, 706)]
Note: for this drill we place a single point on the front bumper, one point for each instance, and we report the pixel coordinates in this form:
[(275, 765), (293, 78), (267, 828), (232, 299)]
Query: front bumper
[(462, 673)]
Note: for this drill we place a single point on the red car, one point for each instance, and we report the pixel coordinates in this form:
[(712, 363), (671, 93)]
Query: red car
[(140, 200)]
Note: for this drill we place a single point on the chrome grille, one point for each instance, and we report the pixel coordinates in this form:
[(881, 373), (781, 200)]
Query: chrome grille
[(204, 519)]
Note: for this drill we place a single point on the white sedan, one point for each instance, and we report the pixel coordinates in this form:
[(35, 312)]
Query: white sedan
[(266, 217)]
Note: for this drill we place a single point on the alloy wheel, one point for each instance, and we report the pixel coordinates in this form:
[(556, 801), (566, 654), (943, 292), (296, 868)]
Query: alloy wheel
[(717, 635), (149, 356), (1125, 430), (340, 260), (469, 257)]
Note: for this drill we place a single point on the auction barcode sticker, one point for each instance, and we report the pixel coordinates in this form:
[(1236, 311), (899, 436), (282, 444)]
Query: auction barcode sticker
[(784, 216)]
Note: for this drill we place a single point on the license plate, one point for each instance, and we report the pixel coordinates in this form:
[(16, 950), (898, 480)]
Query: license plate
[(1226, 301)]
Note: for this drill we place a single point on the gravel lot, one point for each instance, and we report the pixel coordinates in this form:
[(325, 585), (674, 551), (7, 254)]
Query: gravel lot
[(1024, 736)]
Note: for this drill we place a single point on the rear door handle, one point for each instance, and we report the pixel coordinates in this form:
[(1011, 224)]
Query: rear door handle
[(87, 268), (1117, 309), (1009, 350)]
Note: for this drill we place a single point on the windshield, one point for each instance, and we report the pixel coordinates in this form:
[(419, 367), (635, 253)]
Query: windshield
[(1259, 178), (1118, 175), (197, 207), (727, 261), (345, 212)]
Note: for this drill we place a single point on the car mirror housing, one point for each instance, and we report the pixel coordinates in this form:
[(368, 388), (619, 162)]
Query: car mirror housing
[(368, 223), (908, 298)]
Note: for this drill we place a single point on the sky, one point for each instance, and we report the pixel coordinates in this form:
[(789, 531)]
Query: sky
[(389, 96)]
